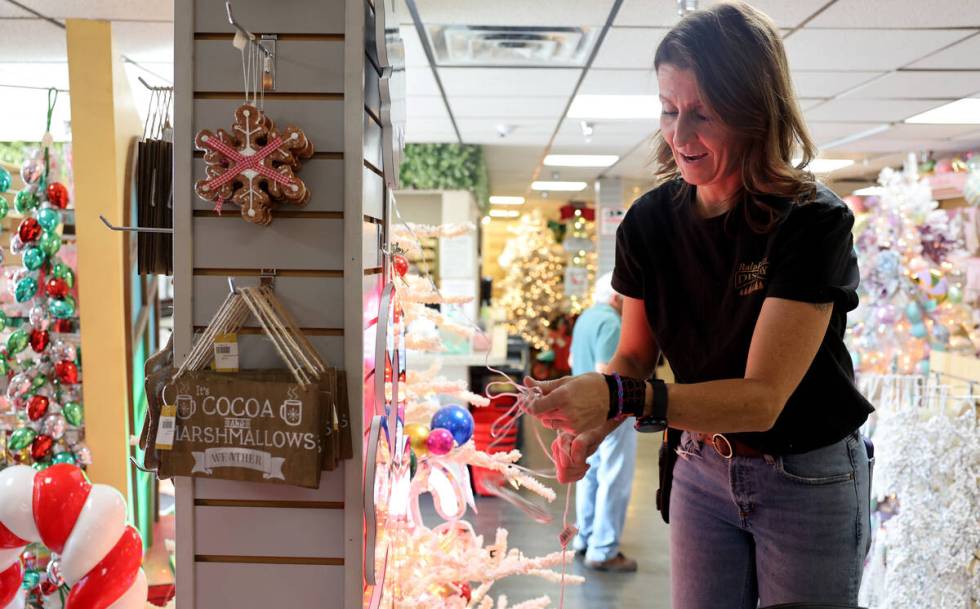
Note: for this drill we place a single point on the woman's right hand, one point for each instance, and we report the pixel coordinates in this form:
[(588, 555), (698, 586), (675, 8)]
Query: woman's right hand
[(570, 453)]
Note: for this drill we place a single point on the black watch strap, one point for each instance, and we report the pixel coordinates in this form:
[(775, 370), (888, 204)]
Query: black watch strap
[(654, 417)]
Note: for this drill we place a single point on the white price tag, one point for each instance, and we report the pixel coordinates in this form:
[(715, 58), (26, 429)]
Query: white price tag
[(168, 425), (226, 353)]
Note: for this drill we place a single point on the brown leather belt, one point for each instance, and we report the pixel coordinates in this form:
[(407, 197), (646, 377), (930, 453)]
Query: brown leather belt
[(727, 447)]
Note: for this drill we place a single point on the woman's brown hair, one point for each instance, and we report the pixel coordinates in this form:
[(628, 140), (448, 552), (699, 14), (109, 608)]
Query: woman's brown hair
[(738, 59)]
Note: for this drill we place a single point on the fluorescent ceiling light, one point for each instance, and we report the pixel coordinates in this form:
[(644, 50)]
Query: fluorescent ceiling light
[(615, 106), (826, 165), (870, 191), (580, 160), (504, 213), (505, 200), (563, 186), (960, 112)]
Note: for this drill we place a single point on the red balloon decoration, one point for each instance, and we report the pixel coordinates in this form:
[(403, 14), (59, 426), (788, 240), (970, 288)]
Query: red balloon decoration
[(67, 372), (37, 407), (29, 230), (57, 287), (39, 340), (64, 326), (112, 576), (10, 580), (60, 492), (41, 447), (57, 195), (400, 263)]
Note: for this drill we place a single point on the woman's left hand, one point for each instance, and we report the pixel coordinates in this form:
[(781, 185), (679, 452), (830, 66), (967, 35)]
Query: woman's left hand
[(573, 404)]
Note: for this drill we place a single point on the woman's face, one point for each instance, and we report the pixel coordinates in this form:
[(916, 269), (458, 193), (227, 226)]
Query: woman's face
[(703, 147)]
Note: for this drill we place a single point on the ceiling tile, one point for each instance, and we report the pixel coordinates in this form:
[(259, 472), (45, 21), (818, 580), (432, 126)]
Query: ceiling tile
[(882, 145), (419, 106), (962, 55), (926, 132), (524, 131), (32, 40), (134, 10), (869, 110), (863, 49), (420, 81), (619, 82), (786, 14), (506, 108), (911, 85), (823, 133), (828, 84), (629, 48), (973, 135), (10, 11), (430, 130), (503, 82), (624, 134), (414, 52), (573, 13), (502, 158), (144, 41), (810, 102), (899, 14)]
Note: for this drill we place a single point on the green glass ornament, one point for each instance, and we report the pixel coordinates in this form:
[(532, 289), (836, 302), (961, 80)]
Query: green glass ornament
[(31, 578), (413, 464), (25, 201), (21, 438), (34, 258), (48, 219), (41, 465), (62, 308), (26, 289), (69, 278), (73, 413), (65, 457), (17, 342), (4, 208), (39, 381), (50, 243), (59, 269), (4, 180), (3, 321), (4, 365)]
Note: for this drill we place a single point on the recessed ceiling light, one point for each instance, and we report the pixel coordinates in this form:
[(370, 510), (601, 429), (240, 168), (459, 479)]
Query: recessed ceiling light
[(506, 200), (870, 191), (580, 160), (563, 186), (504, 213), (615, 106), (826, 165), (960, 112)]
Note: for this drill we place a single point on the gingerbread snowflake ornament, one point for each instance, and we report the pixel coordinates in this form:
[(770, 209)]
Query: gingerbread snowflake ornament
[(254, 165)]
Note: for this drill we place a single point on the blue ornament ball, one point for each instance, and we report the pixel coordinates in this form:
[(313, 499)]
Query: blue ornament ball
[(455, 419), (913, 313), (918, 330), (923, 367), (931, 305)]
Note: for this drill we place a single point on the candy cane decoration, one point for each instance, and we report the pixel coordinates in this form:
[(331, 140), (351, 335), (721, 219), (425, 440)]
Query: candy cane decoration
[(85, 524)]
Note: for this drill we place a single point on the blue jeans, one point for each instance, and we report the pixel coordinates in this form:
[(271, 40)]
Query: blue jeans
[(747, 532), (602, 496)]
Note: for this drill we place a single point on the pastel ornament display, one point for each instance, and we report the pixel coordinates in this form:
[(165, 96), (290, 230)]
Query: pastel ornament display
[(85, 524)]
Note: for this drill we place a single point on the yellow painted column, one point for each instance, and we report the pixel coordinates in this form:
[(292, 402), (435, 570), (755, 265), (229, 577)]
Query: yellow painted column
[(104, 123)]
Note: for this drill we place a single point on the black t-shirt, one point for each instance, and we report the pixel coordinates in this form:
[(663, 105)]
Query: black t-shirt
[(703, 282)]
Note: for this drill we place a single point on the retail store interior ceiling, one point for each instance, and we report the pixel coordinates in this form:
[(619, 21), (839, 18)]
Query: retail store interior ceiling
[(505, 73)]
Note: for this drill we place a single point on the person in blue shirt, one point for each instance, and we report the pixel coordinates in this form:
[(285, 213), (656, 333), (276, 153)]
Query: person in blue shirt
[(602, 496)]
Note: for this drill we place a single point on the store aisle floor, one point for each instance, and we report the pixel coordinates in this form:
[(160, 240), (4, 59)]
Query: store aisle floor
[(645, 539)]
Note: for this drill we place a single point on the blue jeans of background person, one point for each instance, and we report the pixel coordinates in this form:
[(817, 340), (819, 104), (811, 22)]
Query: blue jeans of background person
[(601, 498), (746, 532)]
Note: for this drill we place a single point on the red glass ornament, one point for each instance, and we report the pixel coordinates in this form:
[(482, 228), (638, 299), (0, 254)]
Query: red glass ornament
[(67, 372), (39, 340), (41, 447), (29, 230), (48, 587), (401, 264), (37, 407), (57, 194), (464, 590), (64, 326), (57, 287)]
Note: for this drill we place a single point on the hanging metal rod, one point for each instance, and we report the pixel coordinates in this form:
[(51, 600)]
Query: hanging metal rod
[(144, 68), (151, 87), (33, 88), (244, 32), (135, 229)]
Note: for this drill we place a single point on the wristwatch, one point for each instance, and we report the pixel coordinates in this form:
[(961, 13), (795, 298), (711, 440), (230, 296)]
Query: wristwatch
[(654, 416)]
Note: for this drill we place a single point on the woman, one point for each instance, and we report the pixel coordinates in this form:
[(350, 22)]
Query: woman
[(740, 267)]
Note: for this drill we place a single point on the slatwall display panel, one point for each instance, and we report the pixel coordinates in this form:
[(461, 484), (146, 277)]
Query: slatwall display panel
[(372, 91), (256, 352), (280, 532), (322, 120), (372, 142), (279, 17), (287, 243), (286, 586), (331, 490), (374, 194), (372, 238), (324, 178), (302, 66), (315, 302)]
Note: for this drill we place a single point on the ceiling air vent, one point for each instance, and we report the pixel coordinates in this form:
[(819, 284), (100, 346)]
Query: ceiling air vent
[(484, 46)]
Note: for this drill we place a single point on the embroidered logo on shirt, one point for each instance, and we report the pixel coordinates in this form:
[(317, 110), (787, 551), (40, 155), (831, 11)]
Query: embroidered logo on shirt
[(751, 276)]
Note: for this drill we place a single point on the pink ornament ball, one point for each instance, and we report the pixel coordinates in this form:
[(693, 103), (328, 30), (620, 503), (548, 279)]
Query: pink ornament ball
[(440, 441)]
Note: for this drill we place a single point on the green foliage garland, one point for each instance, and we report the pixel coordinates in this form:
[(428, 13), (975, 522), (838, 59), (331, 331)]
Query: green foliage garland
[(446, 167)]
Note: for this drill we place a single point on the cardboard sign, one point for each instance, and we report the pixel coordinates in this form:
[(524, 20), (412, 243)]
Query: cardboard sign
[(257, 426)]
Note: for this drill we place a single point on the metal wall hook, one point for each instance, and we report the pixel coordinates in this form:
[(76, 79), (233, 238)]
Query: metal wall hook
[(151, 87), (244, 32), (135, 229)]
